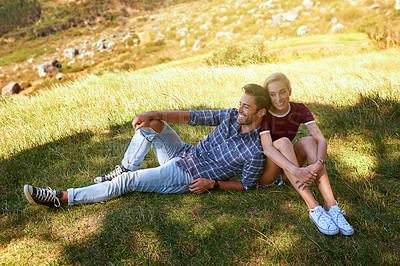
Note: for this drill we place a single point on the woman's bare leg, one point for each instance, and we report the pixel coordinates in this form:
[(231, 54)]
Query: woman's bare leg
[(306, 150), (285, 146)]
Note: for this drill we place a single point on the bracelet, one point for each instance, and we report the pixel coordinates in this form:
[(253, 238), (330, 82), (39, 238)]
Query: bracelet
[(319, 159)]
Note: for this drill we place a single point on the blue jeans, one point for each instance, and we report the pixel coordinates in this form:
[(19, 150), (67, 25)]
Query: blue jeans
[(167, 178)]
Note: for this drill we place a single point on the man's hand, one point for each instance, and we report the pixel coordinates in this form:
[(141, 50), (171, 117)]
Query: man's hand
[(201, 185), (142, 120)]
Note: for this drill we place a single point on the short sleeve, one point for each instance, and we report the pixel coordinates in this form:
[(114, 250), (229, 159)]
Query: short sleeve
[(306, 116), (264, 125)]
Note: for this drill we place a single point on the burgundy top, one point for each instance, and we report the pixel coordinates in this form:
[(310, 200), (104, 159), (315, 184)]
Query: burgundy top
[(286, 125)]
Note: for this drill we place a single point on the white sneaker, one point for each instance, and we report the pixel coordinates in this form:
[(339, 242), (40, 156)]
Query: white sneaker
[(337, 216), (323, 221)]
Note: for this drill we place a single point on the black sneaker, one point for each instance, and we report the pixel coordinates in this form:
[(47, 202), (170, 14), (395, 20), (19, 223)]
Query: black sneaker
[(119, 169), (43, 196)]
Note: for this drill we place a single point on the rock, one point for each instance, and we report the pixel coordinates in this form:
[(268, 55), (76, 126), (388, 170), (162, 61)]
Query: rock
[(11, 89), (222, 34), (308, 4), (131, 39), (198, 45), (48, 68), (101, 45), (89, 53), (182, 42), (110, 44), (70, 52), (144, 37), (337, 27), (182, 32), (302, 30), (60, 76), (24, 85), (279, 19), (159, 38)]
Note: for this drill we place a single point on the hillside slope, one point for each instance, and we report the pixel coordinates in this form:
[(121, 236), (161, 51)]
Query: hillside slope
[(135, 38)]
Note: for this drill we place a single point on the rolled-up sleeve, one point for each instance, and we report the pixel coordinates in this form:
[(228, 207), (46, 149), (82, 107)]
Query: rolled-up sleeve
[(252, 171), (207, 118)]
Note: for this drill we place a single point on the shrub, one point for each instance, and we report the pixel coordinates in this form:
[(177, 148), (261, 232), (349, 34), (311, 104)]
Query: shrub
[(15, 14), (233, 53)]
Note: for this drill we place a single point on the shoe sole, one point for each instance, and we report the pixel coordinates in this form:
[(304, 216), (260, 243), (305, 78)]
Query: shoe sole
[(346, 233), (326, 232), (29, 197)]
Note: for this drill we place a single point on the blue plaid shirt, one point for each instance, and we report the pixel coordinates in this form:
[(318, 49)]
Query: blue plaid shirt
[(225, 152)]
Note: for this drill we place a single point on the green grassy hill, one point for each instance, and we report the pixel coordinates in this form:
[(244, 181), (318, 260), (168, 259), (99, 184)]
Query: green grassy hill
[(78, 129), (169, 31)]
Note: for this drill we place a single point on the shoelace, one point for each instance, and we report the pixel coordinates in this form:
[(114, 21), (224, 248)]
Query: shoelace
[(47, 194), (118, 170), (322, 216), (340, 218)]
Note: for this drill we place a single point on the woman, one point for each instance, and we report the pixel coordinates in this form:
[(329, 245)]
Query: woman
[(278, 129)]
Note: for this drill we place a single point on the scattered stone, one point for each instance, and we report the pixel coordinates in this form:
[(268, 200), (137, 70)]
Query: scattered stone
[(48, 68), (222, 34), (182, 32), (198, 45), (30, 60), (182, 42), (60, 76), (302, 30), (308, 4), (110, 44), (281, 18), (24, 85), (337, 27), (101, 45), (159, 38), (144, 37), (70, 53), (376, 6), (11, 89), (131, 39)]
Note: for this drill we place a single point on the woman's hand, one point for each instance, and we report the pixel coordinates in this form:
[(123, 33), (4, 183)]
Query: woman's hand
[(305, 177)]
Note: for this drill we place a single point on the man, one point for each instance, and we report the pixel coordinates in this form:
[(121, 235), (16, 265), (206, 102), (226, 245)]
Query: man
[(231, 149)]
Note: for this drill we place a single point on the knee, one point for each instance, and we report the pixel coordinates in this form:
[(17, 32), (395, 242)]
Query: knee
[(308, 142), (157, 125), (282, 144)]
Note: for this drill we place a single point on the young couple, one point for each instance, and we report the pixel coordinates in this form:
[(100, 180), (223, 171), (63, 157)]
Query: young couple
[(264, 124)]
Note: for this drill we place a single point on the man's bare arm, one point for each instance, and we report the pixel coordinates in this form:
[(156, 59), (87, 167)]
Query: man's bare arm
[(201, 185), (178, 117)]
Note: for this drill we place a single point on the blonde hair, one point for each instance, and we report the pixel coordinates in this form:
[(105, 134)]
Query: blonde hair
[(278, 76)]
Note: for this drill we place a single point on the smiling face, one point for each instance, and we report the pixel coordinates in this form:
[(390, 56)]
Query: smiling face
[(248, 115), (280, 95)]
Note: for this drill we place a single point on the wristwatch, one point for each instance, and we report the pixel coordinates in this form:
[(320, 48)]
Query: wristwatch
[(216, 184)]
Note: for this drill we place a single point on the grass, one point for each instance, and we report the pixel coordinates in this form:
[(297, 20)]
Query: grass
[(65, 136)]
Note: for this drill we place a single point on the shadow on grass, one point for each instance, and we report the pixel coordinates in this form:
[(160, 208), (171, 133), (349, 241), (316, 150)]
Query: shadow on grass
[(265, 226)]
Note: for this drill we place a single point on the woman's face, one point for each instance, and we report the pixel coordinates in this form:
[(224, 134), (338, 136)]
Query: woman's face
[(280, 95)]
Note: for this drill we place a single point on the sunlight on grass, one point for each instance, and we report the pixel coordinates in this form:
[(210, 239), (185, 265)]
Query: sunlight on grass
[(68, 135), (32, 250)]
